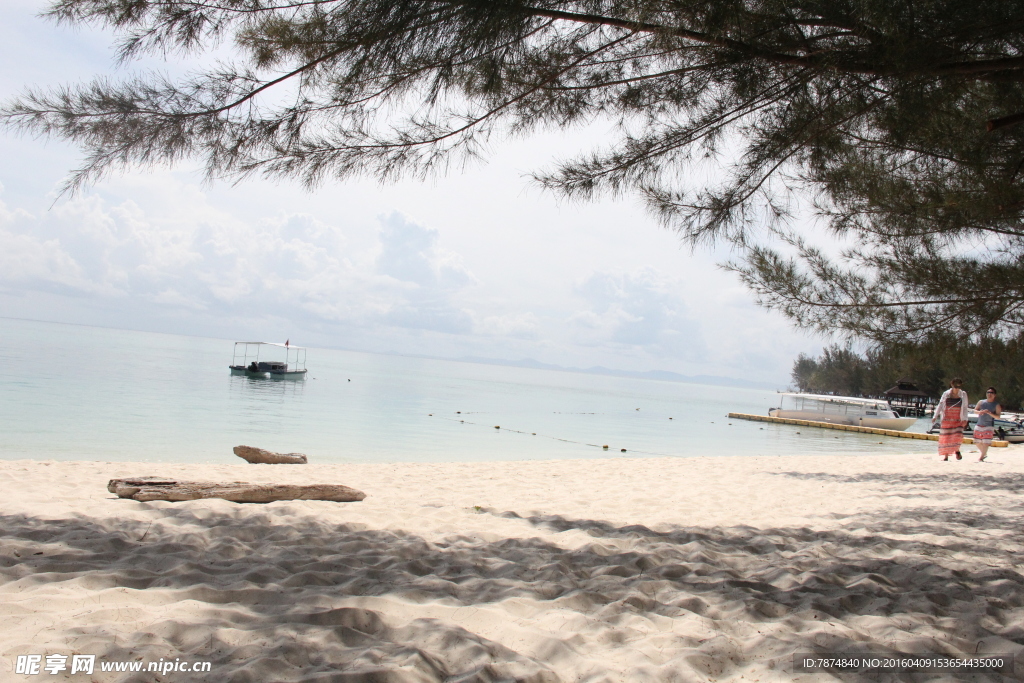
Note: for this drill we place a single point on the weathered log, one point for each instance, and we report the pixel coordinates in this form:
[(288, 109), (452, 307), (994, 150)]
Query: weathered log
[(258, 455), (156, 488)]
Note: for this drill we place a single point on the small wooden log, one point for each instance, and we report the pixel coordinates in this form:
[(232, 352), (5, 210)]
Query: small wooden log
[(258, 455), (156, 488)]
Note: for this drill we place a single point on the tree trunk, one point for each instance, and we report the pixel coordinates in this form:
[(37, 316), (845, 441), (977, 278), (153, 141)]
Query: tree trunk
[(156, 488), (258, 455)]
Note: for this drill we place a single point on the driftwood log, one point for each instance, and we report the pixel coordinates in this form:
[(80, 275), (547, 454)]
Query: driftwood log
[(155, 488), (258, 455)]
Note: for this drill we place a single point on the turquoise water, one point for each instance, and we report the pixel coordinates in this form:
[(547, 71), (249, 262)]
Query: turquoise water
[(81, 393)]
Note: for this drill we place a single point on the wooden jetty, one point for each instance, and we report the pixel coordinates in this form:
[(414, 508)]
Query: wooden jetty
[(852, 428)]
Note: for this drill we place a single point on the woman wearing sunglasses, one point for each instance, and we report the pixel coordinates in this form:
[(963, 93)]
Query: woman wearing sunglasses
[(988, 410)]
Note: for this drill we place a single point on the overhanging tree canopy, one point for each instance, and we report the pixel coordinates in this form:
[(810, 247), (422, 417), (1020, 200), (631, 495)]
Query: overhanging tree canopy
[(898, 116)]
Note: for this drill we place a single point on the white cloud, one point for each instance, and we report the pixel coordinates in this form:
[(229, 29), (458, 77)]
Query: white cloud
[(429, 274), (519, 325), (639, 308), (175, 299), (201, 258), (410, 253)]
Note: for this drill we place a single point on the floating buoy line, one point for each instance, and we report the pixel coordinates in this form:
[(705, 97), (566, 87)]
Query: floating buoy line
[(553, 438)]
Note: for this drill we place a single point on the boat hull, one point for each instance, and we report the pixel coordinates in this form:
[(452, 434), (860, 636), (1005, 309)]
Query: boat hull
[(1006, 430), (290, 374), (899, 424), (237, 370)]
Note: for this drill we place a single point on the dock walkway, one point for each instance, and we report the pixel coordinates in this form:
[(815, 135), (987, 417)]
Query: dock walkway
[(852, 428)]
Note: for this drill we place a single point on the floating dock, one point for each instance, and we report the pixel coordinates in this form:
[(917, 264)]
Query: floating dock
[(852, 428)]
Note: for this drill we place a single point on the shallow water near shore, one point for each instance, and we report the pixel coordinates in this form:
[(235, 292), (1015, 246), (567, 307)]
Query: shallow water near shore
[(72, 392)]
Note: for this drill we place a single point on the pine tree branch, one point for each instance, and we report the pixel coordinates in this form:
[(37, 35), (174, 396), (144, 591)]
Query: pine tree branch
[(975, 67), (1004, 122), (696, 36)]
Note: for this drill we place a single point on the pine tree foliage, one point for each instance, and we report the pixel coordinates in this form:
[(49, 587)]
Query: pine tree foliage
[(839, 370), (898, 116)]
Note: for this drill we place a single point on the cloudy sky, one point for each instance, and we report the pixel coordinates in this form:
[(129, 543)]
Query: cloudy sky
[(476, 263)]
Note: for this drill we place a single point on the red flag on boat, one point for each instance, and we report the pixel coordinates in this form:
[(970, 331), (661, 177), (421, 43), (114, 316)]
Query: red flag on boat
[(286, 341)]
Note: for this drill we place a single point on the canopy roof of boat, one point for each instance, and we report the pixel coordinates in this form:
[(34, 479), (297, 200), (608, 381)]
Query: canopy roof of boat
[(836, 399), (283, 346)]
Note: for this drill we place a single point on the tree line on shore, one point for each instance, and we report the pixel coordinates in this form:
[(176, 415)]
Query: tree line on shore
[(988, 362)]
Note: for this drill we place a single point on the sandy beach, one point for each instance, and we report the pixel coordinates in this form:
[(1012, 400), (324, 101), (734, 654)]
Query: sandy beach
[(685, 569)]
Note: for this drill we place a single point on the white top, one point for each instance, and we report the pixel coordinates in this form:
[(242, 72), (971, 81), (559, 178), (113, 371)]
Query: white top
[(837, 399), (862, 403), (940, 407), (283, 346)]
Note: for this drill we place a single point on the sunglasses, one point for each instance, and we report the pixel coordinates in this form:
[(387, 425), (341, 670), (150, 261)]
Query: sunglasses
[(991, 392)]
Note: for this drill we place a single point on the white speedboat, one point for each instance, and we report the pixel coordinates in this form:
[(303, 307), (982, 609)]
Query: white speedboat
[(1006, 430), (246, 360), (844, 410)]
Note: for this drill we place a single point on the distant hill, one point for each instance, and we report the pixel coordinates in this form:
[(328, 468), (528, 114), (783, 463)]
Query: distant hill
[(664, 375)]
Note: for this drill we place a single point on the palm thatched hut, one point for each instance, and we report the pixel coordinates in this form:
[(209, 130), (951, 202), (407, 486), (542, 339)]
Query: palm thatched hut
[(908, 399)]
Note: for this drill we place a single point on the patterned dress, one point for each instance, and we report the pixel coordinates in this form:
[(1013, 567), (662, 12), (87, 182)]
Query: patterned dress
[(951, 431), (985, 430)]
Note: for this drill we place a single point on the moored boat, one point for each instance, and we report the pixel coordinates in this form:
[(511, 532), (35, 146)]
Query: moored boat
[(246, 360), (846, 410), (1006, 430)]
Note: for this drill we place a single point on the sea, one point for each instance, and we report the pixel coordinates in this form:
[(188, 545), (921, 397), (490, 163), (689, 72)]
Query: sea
[(72, 392)]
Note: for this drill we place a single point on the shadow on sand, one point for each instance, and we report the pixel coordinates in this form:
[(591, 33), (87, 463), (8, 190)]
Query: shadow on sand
[(1011, 481), (266, 601)]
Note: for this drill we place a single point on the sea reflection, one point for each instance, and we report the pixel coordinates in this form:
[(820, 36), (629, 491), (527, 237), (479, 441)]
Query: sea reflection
[(265, 389)]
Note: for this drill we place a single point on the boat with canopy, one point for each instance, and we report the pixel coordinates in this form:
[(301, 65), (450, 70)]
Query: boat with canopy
[(266, 360), (1011, 430), (846, 410)]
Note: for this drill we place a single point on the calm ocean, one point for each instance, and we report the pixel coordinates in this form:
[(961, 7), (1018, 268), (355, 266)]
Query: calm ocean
[(70, 392)]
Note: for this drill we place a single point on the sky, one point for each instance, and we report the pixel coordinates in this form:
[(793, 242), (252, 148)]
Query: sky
[(476, 263)]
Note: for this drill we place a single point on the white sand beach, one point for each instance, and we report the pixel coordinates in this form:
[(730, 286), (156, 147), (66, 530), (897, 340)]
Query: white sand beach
[(686, 569)]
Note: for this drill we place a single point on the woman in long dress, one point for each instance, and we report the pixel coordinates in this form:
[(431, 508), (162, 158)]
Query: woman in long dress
[(952, 411)]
